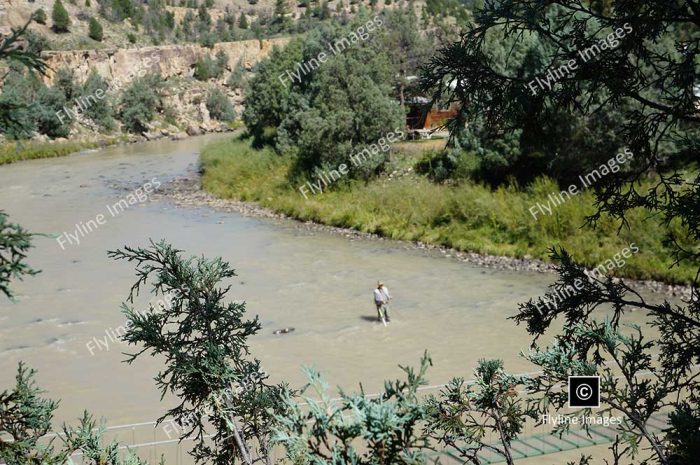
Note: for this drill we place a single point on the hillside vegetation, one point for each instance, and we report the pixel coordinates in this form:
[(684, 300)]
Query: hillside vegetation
[(130, 23)]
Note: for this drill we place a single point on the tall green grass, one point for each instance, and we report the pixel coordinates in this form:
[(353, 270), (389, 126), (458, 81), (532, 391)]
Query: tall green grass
[(11, 152), (467, 217)]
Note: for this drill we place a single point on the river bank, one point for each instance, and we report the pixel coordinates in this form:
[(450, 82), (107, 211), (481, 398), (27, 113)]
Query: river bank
[(465, 218), (14, 151), (11, 152), (188, 192)]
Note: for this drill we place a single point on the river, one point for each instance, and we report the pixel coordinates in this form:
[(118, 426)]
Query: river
[(290, 276)]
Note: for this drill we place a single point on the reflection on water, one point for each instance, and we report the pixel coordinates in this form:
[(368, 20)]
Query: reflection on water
[(292, 277)]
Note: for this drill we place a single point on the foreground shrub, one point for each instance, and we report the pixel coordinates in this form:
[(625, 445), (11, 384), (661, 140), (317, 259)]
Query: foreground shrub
[(26, 417), (203, 342), (357, 429)]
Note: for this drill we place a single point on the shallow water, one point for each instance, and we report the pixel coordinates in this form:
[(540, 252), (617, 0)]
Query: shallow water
[(316, 282)]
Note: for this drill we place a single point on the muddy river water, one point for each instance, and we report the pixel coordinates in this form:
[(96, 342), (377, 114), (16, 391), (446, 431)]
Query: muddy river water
[(290, 276)]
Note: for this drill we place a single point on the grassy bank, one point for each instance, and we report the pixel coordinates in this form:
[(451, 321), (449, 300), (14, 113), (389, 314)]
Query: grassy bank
[(468, 217), (11, 152)]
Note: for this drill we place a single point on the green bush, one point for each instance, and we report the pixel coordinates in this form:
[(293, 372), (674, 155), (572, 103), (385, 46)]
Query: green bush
[(51, 101), (95, 31), (101, 111), (220, 106), (140, 102), (206, 68), (60, 18), (322, 116), (16, 107), (243, 22), (66, 82), (40, 16), (36, 43), (236, 79)]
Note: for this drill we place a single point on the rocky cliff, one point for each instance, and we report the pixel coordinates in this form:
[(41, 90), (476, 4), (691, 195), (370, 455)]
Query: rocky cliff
[(168, 60)]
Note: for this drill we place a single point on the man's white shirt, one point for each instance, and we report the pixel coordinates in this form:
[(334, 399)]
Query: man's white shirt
[(382, 295), (385, 291)]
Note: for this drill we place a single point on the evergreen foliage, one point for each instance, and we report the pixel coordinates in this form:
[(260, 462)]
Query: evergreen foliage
[(467, 415), (15, 242), (355, 428), (219, 105), (95, 30), (40, 16), (102, 111), (60, 18), (25, 417), (204, 343), (140, 102), (633, 78)]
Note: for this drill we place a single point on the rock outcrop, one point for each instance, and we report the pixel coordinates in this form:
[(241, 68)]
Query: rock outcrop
[(168, 60)]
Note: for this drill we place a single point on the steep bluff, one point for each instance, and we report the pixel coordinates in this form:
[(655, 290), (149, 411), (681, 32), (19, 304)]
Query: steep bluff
[(168, 60)]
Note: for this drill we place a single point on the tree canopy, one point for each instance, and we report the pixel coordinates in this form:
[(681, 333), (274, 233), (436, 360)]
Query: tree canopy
[(627, 66)]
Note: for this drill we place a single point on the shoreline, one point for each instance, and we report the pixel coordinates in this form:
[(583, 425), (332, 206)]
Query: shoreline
[(36, 149), (187, 192)]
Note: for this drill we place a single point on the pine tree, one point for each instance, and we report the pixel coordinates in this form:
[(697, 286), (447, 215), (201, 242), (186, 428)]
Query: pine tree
[(243, 22), (95, 30), (60, 17), (281, 12), (642, 80), (222, 390), (40, 16)]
